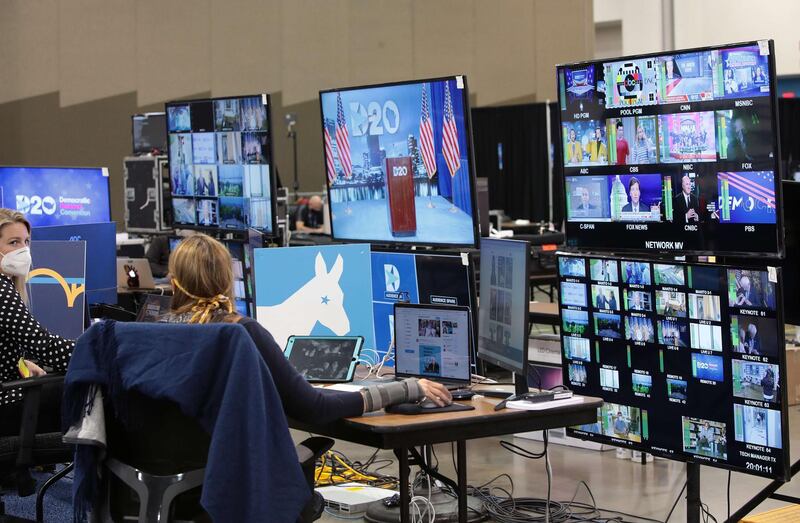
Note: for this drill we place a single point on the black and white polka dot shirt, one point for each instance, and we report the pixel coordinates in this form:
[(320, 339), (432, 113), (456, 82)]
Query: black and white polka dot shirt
[(22, 336)]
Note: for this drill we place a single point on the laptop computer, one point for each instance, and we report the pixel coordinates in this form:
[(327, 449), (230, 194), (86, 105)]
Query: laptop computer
[(154, 306), (134, 273), (433, 342)]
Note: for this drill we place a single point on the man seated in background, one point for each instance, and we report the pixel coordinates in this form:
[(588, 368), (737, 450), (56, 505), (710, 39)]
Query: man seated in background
[(309, 216)]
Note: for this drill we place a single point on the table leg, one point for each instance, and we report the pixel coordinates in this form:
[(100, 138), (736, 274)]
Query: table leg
[(405, 472), (461, 460)]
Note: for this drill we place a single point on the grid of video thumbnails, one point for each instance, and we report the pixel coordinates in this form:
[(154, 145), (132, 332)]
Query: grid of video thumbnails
[(688, 359), (219, 161), (676, 150)]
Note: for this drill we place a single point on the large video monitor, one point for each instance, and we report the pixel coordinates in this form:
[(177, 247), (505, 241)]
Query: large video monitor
[(503, 311), (673, 152), (399, 163), (689, 359), (149, 133), (220, 162), (57, 195), (418, 278)]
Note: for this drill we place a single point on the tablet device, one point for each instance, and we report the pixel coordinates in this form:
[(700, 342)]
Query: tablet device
[(324, 359)]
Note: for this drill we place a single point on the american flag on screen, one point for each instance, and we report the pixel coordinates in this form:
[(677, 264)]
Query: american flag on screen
[(343, 139), (452, 154), (426, 135), (329, 156)]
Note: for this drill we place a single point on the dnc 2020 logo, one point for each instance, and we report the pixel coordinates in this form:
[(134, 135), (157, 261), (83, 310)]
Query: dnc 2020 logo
[(36, 205)]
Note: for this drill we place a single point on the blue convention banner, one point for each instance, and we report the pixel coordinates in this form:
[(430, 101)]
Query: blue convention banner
[(56, 195), (57, 285), (319, 290), (101, 255)]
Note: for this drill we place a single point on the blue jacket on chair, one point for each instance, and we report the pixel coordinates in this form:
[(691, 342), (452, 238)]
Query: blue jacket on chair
[(216, 375)]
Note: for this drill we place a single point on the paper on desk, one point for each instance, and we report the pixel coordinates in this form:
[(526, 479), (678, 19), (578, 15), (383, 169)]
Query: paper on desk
[(544, 405), (345, 387)]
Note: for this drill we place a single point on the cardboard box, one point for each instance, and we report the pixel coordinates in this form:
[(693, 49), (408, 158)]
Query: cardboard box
[(781, 515), (793, 375)]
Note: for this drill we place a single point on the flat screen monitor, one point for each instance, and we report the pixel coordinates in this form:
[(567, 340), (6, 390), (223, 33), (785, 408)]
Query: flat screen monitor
[(101, 256), (399, 163), (791, 220), (149, 132), (503, 311), (57, 195), (221, 163), (673, 152), (417, 277), (689, 359), (433, 342)]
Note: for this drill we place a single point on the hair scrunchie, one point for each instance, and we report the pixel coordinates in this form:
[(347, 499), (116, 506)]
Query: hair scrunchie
[(205, 307)]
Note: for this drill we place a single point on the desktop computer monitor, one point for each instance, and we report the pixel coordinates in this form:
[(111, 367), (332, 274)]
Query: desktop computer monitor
[(149, 133), (503, 311), (57, 195), (433, 342)]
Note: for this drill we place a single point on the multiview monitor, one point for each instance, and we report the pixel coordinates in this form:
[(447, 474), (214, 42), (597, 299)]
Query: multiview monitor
[(673, 152), (399, 163), (57, 195), (221, 163), (689, 359)]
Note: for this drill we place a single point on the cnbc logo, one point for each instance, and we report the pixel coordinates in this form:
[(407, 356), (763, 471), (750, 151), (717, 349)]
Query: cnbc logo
[(391, 278)]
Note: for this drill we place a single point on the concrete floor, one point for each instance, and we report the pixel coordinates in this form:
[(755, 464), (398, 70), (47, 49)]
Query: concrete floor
[(643, 490)]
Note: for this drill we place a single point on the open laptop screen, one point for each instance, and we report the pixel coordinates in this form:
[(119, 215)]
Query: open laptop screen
[(432, 341)]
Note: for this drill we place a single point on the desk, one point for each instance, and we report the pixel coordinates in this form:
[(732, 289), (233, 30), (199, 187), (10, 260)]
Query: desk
[(543, 312), (402, 433)]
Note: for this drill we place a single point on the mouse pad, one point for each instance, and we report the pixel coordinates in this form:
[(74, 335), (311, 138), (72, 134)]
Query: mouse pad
[(414, 408)]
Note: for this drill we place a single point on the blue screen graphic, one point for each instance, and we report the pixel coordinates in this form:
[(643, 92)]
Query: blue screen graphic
[(707, 367), (56, 195), (101, 255)]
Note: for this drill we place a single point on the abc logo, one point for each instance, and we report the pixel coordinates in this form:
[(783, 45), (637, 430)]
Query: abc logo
[(36, 204), (400, 171)]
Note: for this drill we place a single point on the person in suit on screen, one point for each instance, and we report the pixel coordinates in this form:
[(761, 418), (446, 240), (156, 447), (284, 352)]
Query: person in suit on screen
[(685, 204), (634, 193)]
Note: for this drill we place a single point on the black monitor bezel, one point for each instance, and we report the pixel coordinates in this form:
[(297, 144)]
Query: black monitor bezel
[(778, 167), (272, 174), (470, 157), (523, 369), (133, 133), (779, 318)]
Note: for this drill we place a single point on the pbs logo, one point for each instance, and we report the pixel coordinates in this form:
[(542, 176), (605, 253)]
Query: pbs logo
[(400, 171), (36, 205)]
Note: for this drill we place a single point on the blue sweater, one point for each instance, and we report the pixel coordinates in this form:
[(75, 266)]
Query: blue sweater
[(215, 374)]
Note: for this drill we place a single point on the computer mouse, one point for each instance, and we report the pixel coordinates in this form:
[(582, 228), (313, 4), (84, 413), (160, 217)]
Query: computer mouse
[(428, 404)]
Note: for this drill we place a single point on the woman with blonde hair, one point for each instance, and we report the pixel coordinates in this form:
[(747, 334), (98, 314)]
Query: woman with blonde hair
[(202, 282), (21, 336)]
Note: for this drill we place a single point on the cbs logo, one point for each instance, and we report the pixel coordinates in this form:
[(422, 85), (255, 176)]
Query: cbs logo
[(36, 205), (400, 171)]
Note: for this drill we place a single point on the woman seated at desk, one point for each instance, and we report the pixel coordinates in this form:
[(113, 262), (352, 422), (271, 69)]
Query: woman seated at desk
[(202, 281), (21, 336)]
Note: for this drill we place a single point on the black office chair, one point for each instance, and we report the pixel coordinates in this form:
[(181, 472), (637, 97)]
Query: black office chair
[(19, 453), (157, 462)]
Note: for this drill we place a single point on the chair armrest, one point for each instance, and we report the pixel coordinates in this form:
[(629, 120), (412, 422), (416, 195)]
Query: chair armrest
[(311, 449), (27, 383)]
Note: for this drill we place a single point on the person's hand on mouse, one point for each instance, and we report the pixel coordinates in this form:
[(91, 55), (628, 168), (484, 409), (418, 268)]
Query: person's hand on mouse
[(436, 392)]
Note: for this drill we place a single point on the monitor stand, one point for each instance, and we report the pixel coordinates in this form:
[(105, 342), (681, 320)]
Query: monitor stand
[(520, 384)]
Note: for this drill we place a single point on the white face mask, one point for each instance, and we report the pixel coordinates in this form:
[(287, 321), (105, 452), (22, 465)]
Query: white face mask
[(17, 263)]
